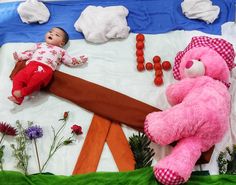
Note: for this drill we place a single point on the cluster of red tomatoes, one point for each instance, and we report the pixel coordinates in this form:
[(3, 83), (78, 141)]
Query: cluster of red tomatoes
[(157, 64)]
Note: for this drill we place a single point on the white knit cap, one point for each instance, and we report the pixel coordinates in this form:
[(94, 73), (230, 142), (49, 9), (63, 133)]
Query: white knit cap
[(32, 11)]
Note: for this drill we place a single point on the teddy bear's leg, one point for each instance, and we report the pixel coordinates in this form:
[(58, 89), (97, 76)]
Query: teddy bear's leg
[(177, 167), (167, 126)]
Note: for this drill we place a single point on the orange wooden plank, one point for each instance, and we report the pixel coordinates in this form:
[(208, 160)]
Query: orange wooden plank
[(120, 148), (93, 145)]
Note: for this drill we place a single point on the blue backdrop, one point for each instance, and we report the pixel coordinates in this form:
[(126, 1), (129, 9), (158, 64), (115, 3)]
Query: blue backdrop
[(145, 16)]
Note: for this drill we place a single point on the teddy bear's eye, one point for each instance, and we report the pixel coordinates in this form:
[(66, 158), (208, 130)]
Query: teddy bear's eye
[(199, 59)]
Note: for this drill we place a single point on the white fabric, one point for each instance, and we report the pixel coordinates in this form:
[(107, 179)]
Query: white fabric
[(200, 9), (228, 30), (32, 11), (113, 65), (100, 24), (233, 106)]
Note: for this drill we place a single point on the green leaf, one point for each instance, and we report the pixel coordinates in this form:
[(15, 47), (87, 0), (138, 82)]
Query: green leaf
[(143, 154), (227, 161)]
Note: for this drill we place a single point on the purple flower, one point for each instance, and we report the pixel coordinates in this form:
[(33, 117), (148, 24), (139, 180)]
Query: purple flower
[(34, 132)]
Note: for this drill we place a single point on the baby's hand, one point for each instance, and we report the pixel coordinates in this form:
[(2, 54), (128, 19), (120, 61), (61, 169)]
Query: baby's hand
[(15, 56), (79, 60), (83, 59)]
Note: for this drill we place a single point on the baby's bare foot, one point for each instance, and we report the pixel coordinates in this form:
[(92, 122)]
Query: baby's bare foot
[(13, 99), (17, 93)]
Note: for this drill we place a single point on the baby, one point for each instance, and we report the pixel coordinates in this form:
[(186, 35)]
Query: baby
[(42, 61)]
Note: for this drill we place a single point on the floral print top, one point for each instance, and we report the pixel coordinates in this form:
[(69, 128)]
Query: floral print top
[(48, 54)]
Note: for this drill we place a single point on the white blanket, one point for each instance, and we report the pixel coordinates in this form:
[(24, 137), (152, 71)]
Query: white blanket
[(113, 65), (32, 11), (100, 24), (200, 9)]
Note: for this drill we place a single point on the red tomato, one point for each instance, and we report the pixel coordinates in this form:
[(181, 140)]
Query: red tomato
[(140, 59), (156, 59), (158, 72), (139, 45), (140, 67), (139, 52), (158, 81), (157, 66), (140, 37), (149, 66), (166, 65)]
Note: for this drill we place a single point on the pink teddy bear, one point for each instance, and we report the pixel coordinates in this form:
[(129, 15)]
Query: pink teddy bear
[(199, 116)]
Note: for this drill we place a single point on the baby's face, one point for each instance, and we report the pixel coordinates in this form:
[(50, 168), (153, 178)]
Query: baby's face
[(55, 37)]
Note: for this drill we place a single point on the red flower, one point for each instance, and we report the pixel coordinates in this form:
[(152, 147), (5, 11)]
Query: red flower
[(7, 129), (65, 116), (76, 129)]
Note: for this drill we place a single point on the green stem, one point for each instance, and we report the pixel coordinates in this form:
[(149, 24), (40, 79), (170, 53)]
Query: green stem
[(2, 137), (51, 154), (55, 144), (36, 149), (200, 167), (60, 129), (1, 156), (1, 152)]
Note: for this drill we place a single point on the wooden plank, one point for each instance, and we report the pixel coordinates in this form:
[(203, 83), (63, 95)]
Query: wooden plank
[(93, 145), (120, 148)]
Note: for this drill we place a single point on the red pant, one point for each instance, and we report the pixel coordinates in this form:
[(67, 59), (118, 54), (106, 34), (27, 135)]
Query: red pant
[(32, 78)]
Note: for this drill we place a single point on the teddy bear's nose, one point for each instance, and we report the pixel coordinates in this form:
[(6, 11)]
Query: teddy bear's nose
[(189, 64), (194, 68)]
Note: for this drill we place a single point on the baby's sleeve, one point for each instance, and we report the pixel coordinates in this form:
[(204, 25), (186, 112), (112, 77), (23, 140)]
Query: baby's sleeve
[(72, 61), (25, 55)]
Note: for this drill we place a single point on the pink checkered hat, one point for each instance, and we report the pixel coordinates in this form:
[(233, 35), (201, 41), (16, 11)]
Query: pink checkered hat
[(221, 46)]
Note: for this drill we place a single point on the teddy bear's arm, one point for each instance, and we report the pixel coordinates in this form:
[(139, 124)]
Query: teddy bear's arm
[(175, 93)]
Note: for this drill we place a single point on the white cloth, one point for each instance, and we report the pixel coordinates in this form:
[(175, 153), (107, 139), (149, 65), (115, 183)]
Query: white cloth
[(228, 32), (233, 107), (99, 24), (228, 29), (200, 9), (32, 11), (107, 67)]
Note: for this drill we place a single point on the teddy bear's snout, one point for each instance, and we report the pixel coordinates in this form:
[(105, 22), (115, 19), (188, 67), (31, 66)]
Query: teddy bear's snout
[(194, 68)]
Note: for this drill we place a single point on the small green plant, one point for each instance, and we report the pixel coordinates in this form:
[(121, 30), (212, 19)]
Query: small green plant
[(227, 161), (1, 156), (143, 154), (20, 149), (5, 130)]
